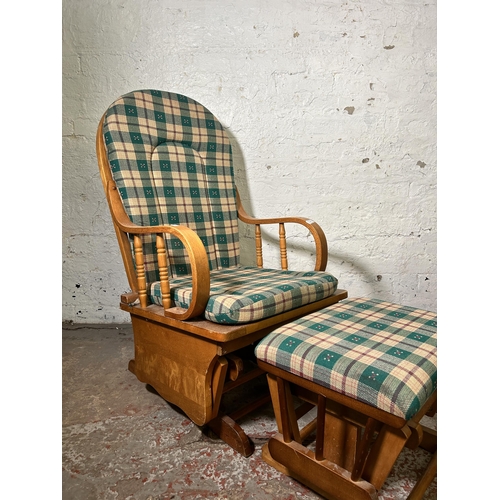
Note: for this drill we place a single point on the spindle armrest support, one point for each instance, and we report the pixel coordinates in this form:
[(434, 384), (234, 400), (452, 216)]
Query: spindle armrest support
[(313, 227), (195, 249)]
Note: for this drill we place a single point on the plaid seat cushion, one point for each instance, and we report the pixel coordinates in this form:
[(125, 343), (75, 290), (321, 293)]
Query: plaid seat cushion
[(380, 353), (244, 294)]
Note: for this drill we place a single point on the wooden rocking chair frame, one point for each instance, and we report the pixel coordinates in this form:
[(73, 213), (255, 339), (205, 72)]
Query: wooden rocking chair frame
[(189, 361)]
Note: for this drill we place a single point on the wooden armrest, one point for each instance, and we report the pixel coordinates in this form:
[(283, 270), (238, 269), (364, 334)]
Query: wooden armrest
[(197, 254), (313, 227)]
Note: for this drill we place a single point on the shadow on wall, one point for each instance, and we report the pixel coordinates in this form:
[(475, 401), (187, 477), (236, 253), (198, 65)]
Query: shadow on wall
[(248, 244)]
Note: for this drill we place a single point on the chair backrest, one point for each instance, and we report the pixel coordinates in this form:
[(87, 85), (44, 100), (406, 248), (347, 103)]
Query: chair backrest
[(172, 163)]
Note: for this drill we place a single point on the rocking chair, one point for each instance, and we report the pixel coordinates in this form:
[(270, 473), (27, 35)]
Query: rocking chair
[(166, 166)]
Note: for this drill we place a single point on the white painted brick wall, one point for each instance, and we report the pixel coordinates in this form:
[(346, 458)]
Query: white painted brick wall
[(331, 106)]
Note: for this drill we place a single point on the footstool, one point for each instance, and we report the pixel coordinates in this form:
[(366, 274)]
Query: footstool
[(369, 368)]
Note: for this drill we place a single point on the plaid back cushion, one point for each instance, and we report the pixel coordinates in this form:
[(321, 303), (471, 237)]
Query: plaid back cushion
[(377, 352), (172, 163)]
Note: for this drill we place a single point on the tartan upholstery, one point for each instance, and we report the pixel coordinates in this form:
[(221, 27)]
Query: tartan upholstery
[(172, 164), (376, 352), (245, 294)]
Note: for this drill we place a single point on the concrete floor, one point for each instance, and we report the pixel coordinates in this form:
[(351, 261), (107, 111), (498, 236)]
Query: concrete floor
[(121, 441)]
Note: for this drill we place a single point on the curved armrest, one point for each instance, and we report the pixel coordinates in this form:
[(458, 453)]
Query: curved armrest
[(313, 227), (196, 251)]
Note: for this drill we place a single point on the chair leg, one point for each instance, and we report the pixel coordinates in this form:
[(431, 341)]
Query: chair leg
[(225, 426), (232, 434), (218, 377), (423, 483)]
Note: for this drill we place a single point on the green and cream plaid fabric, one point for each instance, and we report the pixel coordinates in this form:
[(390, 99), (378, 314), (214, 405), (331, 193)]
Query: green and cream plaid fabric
[(172, 163), (377, 352), (245, 294)]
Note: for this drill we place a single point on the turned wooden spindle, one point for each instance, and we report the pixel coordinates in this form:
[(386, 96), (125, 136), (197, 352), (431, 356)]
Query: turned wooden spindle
[(163, 270), (284, 258), (141, 274), (258, 246)]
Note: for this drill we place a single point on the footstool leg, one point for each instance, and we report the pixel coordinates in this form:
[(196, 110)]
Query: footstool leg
[(384, 454), (283, 408), (286, 453), (423, 483)]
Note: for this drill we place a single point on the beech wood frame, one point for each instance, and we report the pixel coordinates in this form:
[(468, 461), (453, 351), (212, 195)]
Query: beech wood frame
[(356, 445), (189, 361)]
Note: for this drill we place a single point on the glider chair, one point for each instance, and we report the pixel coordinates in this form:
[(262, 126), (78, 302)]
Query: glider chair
[(368, 371), (166, 166)]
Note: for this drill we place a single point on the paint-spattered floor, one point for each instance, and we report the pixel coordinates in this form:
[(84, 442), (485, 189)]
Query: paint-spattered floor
[(121, 441)]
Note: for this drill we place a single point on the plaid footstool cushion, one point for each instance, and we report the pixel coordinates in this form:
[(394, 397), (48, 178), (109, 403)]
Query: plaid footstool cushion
[(377, 352)]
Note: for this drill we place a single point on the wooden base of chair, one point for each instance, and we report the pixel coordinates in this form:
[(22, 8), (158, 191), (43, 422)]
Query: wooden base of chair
[(193, 364), (231, 433), (350, 451), (192, 394), (225, 427)]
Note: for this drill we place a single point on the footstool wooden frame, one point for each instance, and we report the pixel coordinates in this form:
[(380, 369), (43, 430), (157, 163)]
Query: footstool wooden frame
[(369, 367)]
